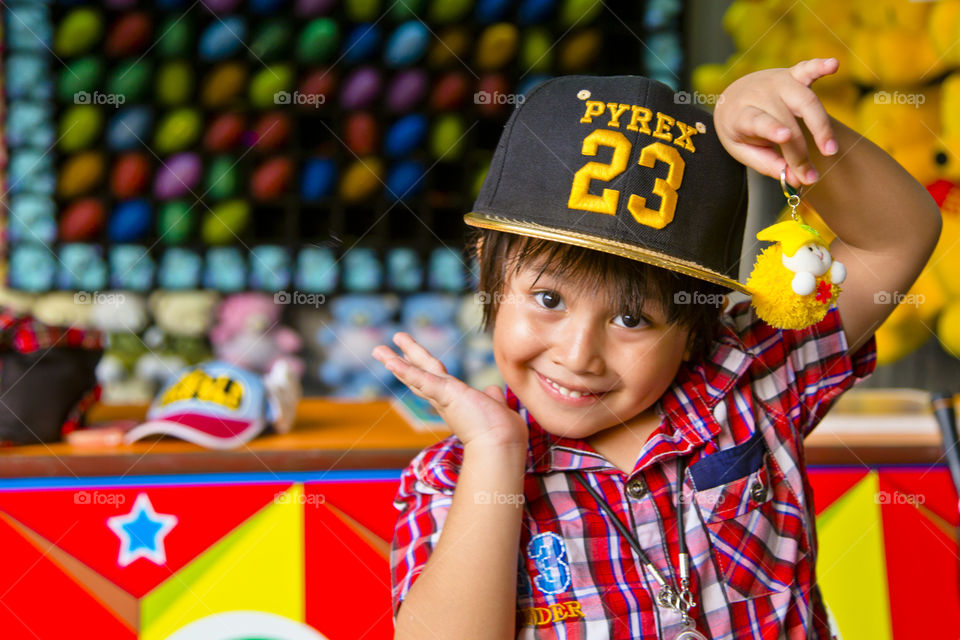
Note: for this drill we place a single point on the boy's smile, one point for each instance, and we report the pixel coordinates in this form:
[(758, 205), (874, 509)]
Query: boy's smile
[(579, 367)]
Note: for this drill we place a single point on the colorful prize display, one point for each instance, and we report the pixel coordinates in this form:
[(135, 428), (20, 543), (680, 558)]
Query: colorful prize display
[(145, 139)]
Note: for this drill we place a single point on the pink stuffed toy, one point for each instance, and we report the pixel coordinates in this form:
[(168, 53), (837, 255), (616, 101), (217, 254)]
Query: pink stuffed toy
[(248, 334)]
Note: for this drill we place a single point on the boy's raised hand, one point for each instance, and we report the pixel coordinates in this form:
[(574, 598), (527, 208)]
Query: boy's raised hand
[(472, 415), (756, 120)]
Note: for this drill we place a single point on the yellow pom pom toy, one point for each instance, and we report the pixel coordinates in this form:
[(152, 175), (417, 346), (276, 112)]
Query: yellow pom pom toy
[(794, 282)]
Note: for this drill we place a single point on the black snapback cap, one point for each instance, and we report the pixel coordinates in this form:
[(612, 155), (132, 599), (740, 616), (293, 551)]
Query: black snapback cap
[(619, 164)]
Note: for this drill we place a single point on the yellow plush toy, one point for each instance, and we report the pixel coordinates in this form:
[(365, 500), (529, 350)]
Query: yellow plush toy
[(794, 282)]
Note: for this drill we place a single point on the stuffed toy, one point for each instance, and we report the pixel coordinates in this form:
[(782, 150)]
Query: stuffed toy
[(431, 319), (32, 267), (177, 337), (63, 309), (317, 270), (359, 323), (225, 270), (794, 282), (479, 366), (81, 267), (131, 267), (404, 271), (122, 316), (179, 269), (945, 265), (446, 271), (270, 268), (362, 271), (248, 334)]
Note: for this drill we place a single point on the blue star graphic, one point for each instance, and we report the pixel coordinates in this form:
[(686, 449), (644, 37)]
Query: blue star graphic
[(142, 532)]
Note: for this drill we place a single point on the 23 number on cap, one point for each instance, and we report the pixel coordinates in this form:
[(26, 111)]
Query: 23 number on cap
[(581, 198)]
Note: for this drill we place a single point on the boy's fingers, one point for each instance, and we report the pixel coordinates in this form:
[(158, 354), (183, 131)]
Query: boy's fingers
[(808, 71), (423, 383), (759, 124), (762, 159), (795, 150), (805, 104), (417, 354), (496, 393)]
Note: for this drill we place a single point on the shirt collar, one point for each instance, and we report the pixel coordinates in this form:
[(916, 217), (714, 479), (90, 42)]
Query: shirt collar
[(687, 406)]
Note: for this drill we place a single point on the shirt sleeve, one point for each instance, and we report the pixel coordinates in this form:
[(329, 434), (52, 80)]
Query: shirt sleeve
[(822, 367), (810, 368), (423, 500)]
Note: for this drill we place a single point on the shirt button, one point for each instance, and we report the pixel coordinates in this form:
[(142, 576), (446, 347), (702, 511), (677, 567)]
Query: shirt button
[(636, 488), (758, 491)]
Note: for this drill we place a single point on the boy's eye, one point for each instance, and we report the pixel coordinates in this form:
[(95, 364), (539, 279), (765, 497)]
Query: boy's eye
[(548, 299), (630, 321)]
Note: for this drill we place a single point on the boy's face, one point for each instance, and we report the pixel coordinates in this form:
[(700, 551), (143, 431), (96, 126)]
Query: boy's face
[(550, 332)]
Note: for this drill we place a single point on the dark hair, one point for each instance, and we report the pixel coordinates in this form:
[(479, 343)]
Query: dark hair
[(627, 284)]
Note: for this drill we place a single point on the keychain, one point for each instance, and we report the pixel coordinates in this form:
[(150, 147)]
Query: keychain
[(794, 282)]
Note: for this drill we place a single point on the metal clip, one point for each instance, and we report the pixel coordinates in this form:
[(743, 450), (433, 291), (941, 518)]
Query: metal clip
[(793, 199)]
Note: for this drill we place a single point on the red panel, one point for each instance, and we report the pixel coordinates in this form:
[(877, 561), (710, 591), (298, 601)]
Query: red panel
[(347, 582), (77, 521), (934, 485), (37, 600), (922, 572), (369, 502), (830, 484)]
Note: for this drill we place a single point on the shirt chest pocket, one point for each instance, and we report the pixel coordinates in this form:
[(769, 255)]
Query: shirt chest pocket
[(755, 528)]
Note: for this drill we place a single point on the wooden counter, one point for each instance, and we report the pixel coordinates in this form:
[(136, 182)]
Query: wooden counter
[(867, 427), (328, 435)]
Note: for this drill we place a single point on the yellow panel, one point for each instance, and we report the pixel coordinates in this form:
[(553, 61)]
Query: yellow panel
[(851, 567), (259, 566)]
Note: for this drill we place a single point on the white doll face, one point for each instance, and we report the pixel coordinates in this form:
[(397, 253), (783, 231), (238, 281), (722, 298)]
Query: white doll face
[(810, 258)]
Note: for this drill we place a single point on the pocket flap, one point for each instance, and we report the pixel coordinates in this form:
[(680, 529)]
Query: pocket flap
[(735, 498)]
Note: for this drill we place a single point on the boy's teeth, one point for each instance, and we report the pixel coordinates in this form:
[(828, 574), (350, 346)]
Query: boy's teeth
[(566, 392)]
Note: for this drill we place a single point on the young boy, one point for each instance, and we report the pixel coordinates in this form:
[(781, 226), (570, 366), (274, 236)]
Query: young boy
[(643, 475)]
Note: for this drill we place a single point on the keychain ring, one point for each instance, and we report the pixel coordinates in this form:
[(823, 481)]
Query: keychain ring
[(792, 198)]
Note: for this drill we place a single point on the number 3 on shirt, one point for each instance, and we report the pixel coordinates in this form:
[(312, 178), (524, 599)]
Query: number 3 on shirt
[(581, 198)]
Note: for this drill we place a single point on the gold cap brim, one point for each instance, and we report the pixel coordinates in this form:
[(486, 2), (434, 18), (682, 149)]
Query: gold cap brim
[(622, 249)]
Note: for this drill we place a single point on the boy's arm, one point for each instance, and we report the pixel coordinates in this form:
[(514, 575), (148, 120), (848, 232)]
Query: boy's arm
[(887, 226), (886, 223), (468, 587)]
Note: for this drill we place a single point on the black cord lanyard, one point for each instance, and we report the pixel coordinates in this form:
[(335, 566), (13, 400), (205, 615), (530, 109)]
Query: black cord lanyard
[(678, 599)]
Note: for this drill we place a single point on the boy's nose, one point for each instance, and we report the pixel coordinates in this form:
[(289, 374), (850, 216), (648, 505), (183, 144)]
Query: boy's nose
[(578, 347)]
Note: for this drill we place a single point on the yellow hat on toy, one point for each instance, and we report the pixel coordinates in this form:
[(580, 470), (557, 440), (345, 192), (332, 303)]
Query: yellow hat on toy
[(794, 282), (792, 235)]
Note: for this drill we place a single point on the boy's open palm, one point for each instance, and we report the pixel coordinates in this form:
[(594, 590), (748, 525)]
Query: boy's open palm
[(756, 120), (470, 414)]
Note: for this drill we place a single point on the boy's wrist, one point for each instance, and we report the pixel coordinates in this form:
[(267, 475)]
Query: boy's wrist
[(486, 445)]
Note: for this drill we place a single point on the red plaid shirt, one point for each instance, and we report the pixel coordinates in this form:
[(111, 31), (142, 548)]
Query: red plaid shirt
[(739, 420)]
